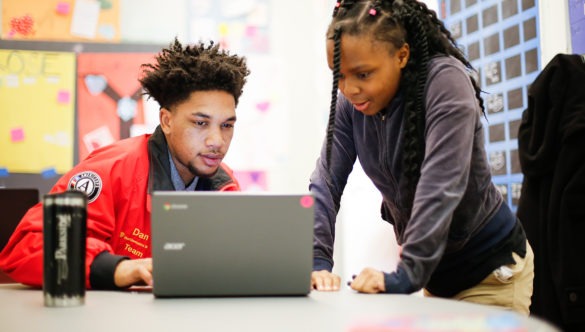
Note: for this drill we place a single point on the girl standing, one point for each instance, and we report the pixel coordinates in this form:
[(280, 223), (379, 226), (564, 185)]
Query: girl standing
[(410, 112)]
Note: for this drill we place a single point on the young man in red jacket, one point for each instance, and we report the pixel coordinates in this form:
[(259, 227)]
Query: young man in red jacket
[(197, 88)]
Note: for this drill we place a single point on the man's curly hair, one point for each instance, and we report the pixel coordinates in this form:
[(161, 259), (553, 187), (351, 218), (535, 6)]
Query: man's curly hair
[(179, 71)]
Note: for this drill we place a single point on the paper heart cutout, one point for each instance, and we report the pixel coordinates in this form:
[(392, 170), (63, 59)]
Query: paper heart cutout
[(255, 176), (22, 25), (96, 84), (263, 106), (126, 108)]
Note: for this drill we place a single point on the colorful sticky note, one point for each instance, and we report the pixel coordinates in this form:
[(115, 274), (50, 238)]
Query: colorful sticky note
[(48, 173), (17, 135), (63, 97), (4, 172), (63, 8), (223, 29), (251, 31)]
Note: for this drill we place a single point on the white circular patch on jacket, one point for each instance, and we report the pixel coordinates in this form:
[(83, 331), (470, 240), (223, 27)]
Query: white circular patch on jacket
[(88, 182)]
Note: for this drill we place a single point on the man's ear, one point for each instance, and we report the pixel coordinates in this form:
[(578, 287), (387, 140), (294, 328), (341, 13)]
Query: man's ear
[(164, 116), (403, 55)]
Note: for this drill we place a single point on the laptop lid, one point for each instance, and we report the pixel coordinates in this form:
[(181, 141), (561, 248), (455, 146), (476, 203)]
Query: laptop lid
[(231, 243), (14, 203)]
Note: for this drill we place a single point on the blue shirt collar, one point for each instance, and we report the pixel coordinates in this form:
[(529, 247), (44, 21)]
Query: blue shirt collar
[(176, 178)]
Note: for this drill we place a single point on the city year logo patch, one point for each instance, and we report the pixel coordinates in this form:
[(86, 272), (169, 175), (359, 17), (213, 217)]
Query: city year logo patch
[(88, 182)]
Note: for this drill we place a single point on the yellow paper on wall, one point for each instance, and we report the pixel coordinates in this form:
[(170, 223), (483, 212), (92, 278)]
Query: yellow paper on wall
[(37, 103)]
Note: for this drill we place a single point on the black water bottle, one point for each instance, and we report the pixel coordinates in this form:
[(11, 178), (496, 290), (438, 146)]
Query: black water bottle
[(64, 246)]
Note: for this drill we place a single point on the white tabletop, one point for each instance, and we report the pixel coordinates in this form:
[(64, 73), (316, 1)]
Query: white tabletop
[(22, 309)]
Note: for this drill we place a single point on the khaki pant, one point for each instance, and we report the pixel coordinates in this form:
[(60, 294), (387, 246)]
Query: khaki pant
[(509, 286)]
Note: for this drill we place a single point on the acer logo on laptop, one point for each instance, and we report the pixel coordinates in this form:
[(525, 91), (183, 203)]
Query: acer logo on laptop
[(174, 246)]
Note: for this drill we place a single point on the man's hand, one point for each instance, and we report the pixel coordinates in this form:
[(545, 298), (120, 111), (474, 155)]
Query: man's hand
[(131, 272), (369, 281), (325, 281)]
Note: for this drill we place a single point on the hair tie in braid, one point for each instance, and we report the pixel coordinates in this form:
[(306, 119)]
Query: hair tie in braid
[(336, 8), (346, 5), (374, 8)]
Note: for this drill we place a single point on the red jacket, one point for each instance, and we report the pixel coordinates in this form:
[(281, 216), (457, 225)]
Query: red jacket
[(119, 179)]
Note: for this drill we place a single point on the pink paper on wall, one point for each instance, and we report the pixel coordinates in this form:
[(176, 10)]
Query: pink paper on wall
[(17, 135), (63, 97), (252, 180)]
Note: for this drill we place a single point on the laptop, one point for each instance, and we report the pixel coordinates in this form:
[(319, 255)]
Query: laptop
[(14, 203), (211, 244)]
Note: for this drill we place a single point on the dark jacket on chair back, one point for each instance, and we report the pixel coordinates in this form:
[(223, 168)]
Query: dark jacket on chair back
[(551, 144)]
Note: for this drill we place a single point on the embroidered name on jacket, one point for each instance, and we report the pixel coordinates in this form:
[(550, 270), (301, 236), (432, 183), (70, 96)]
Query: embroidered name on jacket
[(135, 242)]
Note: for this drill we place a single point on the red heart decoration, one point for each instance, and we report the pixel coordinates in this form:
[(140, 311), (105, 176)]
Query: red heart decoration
[(22, 25)]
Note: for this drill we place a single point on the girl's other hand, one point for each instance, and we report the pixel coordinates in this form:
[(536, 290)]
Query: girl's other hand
[(325, 281)]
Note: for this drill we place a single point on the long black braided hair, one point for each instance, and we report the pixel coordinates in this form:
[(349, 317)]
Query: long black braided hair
[(398, 22)]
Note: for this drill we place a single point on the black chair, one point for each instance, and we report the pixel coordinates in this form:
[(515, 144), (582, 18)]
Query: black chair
[(551, 141), (14, 202)]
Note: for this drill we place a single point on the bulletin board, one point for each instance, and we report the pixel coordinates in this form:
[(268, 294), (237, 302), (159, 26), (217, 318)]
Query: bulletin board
[(501, 39), (61, 20), (101, 100), (42, 100), (110, 98), (241, 26), (37, 103)]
